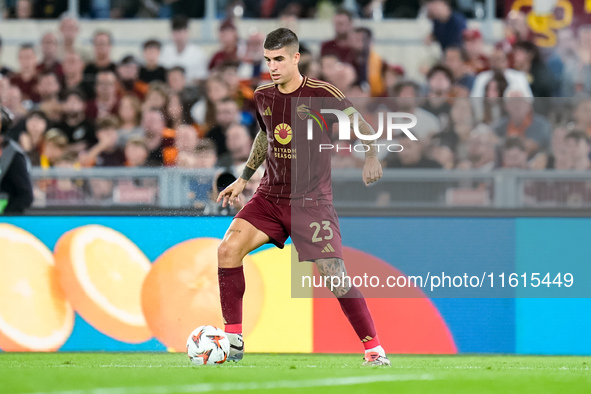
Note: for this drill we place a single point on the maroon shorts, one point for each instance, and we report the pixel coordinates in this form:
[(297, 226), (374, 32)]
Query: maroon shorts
[(314, 230)]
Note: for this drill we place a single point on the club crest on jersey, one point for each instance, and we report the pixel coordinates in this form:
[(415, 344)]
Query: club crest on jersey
[(282, 133), (303, 111)]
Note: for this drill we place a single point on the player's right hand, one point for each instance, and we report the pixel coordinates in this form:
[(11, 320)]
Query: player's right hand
[(231, 193)]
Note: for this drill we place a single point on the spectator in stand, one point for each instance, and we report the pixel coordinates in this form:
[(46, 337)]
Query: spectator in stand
[(136, 152), (50, 60), (560, 158), (176, 80), (368, 64), (182, 53), (522, 122), (78, 129), (448, 25), (343, 76), (130, 113), (32, 137), (228, 38), (243, 94), (157, 96), (206, 154), (48, 88), (12, 99), (26, 78), (73, 68), (577, 148), (185, 143), (492, 104), (411, 156), (152, 70), (106, 98), (456, 60), (407, 94), (527, 59), (106, 152), (474, 47), (441, 150), (226, 113), (175, 114), (340, 46), (482, 152), (516, 29), (439, 84), (576, 55), (23, 9), (238, 142), (582, 116), (308, 65), (203, 112), (393, 73), (54, 146), (253, 54), (460, 125), (499, 63), (69, 29), (514, 154), (102, 44), (128, 72), (4, 71), (159, 139), (327, 64)]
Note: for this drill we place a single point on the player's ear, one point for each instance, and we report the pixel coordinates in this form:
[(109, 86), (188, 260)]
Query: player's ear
[(296, 57)]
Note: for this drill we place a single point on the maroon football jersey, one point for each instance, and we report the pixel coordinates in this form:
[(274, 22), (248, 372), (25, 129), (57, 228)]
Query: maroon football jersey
[(297, 171)]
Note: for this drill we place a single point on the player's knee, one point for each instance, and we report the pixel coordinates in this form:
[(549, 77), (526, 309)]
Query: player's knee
[(229, 255)]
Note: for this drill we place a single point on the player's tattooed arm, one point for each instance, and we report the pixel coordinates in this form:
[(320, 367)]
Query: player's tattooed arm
[(334, 267), (258, 153), (364, 129)]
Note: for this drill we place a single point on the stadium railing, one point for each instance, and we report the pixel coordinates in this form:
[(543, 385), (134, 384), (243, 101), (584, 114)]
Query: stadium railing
[(171, 188)]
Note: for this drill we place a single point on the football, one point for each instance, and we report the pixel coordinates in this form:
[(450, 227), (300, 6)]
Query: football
[(208, 345)]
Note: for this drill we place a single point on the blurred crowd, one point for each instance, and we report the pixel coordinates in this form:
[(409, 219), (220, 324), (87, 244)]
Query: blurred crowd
[(509, 105), (118, 9)]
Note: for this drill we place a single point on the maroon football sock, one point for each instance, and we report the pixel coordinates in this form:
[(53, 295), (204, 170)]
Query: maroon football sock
[(355, 308), (232, 285)]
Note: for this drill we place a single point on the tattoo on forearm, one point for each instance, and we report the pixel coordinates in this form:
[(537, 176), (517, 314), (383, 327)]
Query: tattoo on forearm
[(334, 267), (365, 129), (258, 153), (234, 231)]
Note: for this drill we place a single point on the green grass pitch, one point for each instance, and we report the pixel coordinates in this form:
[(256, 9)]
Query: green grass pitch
[(161, 373)]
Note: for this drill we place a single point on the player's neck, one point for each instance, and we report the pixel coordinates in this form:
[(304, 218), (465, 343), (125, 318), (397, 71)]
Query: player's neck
[(292, 85)]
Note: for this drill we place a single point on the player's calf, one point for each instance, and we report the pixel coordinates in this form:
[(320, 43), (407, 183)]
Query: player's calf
[(334, 275)]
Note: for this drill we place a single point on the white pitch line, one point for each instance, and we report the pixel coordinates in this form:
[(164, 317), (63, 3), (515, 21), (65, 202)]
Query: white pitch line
[(280, 384)]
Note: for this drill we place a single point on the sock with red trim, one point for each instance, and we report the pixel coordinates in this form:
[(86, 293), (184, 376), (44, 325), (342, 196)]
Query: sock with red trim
[(232, 285), (355, 308)]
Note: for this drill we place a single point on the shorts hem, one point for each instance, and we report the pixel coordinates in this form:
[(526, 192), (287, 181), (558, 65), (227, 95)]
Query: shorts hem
[(303, 259)]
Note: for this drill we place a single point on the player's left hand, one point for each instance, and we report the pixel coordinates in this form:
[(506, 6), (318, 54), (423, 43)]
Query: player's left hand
[(372, 170)]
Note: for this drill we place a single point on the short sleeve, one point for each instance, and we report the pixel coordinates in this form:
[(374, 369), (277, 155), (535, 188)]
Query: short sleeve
[(260, 122), (335, 99)]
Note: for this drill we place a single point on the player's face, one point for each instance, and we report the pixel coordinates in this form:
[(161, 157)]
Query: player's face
[(283, 66)]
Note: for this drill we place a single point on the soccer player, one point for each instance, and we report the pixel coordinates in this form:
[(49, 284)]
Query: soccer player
[(294, 197)]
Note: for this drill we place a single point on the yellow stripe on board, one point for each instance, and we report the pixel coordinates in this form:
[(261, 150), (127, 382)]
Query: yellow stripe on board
[(294, 315)]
